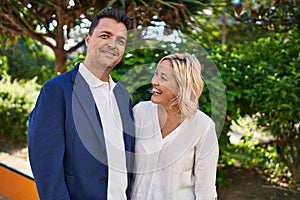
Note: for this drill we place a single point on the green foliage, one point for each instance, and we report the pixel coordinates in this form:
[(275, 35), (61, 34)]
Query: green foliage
[(278, 16), (3, 64), (136, 71), (234, 36), (274, 93), (16, 102), (26, 59), (263, 77), (78, 57), (255, 149)]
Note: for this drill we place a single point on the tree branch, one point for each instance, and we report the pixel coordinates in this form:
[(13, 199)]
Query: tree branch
[(74, 48)]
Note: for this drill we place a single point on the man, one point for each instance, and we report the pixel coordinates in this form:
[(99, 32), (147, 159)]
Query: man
[(81, 132)]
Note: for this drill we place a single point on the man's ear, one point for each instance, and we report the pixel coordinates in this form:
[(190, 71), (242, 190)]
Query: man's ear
[(87, 39)]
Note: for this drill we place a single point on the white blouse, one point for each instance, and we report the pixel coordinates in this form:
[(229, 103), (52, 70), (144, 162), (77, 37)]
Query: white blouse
[(180, 166)]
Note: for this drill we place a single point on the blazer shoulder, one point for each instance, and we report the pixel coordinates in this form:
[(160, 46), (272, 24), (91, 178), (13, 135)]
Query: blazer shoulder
[(62, 80)]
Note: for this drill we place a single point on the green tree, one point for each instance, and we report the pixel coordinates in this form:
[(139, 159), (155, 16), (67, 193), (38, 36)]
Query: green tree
[(274, 15), (238, 21), (262, 78), (26, 59), (56, 23)]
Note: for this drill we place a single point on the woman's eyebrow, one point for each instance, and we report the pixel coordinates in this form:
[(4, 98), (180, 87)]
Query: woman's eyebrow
[(164, 74)]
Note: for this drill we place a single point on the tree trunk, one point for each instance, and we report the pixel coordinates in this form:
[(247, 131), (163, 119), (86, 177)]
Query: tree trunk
[(289, 151), (224, 25), (60, 60), (296, 174)]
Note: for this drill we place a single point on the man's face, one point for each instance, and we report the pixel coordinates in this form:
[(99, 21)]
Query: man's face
[(106, 45)]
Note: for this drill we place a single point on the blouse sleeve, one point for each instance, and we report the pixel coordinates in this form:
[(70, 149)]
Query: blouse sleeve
[(206, 160)]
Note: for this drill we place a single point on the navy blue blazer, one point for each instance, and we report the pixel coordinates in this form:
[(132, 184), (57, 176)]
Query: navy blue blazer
[(65, 140)]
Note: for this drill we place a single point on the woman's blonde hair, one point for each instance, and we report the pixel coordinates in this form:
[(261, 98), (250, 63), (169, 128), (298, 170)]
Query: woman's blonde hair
[(187, 71)]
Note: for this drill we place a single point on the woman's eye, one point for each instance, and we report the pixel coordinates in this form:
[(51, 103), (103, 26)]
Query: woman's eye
[(164, 78)]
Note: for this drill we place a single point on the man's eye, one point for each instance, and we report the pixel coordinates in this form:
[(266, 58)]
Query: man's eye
[(104, 36), (121, 42)]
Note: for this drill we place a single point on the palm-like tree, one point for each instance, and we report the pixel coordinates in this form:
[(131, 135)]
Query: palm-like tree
[(53, 22)]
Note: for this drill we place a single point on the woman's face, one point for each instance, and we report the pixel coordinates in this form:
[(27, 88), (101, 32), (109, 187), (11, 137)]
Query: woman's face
[(165, 88)]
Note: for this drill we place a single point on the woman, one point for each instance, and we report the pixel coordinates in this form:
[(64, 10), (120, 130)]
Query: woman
[(176, 145)]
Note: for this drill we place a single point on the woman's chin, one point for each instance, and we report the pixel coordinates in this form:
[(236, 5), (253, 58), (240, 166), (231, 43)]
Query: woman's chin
[(154, 99)]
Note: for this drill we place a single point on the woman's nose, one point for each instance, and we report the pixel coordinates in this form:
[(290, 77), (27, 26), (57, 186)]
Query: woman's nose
[(154, 81)]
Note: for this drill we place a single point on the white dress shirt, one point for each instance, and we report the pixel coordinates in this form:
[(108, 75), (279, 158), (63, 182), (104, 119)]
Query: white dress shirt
[(112, 130), (180, 166)]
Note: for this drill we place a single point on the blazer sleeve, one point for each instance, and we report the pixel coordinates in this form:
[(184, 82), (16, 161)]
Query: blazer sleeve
[(46, 143), (206, 160)]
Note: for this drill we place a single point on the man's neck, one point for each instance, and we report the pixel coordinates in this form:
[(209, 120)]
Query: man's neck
[(103, 75)]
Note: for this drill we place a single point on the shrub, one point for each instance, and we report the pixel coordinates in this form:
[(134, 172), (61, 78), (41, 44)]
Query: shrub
[(16, 102), (262, 77)]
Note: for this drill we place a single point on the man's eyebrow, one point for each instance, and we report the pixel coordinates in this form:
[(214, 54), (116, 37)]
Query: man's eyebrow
[(122, 37), (107, 32), (110, 33)]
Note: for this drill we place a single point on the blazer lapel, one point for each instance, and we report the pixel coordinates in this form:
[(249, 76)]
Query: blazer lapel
[(85, 114)]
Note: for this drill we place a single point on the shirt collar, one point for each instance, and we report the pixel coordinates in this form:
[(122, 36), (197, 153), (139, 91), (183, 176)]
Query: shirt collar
[(92, 80)]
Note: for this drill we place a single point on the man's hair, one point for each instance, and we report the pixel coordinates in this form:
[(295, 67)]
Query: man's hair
[(112, 13)]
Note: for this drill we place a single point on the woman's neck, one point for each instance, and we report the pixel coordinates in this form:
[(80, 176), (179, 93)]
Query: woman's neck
[(169, 119)]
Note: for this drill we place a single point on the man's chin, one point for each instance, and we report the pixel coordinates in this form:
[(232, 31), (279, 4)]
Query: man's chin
[(105, 63)]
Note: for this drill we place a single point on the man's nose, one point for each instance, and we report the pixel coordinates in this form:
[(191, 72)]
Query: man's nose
[(112, 42)]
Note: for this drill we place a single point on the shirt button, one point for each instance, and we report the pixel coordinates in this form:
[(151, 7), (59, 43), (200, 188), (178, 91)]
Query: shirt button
[(102, 180)]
